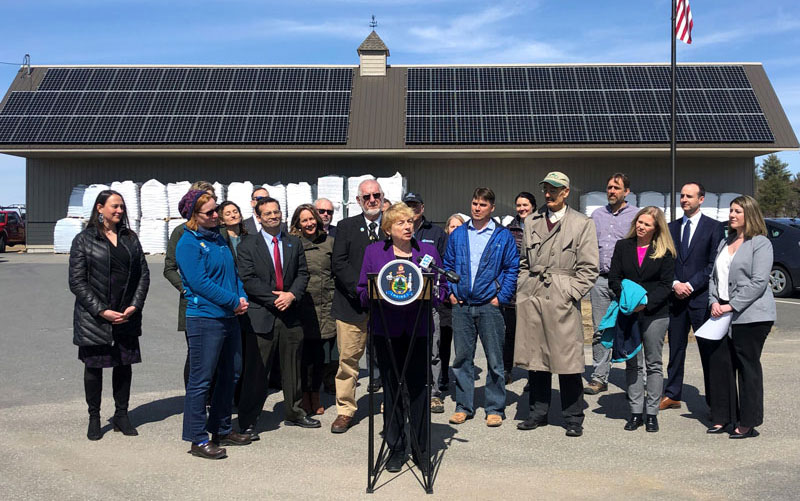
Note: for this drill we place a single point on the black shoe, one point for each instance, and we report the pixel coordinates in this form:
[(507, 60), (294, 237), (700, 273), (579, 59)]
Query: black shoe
[(574, 430), (651, 424), (94, 433), (531, 424), (375, 386), (232, 438), (303, 422), (251, 430), (748, 434), (634, 422), (123, 424), (717, 430), (208, 450), (396, 461)]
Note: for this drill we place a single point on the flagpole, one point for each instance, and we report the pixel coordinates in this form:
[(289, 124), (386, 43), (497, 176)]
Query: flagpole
[(672, 133)]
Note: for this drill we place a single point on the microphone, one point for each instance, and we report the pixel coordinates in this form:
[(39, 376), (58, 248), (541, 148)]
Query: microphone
[(426, 262)]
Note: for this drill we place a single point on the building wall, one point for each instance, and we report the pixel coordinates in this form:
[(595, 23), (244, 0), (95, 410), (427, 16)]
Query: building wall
[(445, 184)]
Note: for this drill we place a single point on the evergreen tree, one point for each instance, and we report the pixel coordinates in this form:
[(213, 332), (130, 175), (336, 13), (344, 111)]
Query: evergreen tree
[(774, 191)]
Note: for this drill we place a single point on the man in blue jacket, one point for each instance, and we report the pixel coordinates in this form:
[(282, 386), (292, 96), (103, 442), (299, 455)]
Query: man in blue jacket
[(485, 255)]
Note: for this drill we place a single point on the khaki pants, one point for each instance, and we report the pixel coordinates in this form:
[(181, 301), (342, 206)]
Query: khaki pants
[(351, 339)]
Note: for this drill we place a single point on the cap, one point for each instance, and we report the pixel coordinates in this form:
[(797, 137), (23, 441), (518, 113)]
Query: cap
[(412, 197), (557, 179)]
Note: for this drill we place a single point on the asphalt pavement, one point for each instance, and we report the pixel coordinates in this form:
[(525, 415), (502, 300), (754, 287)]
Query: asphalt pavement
[(43, 422)]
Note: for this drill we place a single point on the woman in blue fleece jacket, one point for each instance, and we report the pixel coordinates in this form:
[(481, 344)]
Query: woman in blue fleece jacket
[(215, 296)]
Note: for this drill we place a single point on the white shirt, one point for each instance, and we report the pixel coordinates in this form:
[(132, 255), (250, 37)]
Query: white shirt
[(723, 265), (555, 217), (271, 246)]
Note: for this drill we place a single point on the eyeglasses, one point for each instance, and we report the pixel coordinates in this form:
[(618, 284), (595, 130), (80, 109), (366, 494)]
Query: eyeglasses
[(271, 213), (366, 197), (256, 199), (325, 211), (209, 213)]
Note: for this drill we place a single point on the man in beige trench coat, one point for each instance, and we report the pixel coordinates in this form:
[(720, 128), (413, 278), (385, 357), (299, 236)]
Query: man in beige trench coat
[(558, 266)]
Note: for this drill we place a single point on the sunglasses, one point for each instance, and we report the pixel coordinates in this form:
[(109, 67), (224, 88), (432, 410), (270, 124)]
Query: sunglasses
[(256, 199), (376, 196), (209, 213), (325, 211)]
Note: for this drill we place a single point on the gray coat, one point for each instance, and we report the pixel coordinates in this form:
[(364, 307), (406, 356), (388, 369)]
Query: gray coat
[(556, 270), (748, 281)]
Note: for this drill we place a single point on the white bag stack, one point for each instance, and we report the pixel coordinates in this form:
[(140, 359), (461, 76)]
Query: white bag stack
[(592, 201), (176, 191), (153, 200), (506, 220), (65, 231), (655, 198), (352, 188), (89, 196), (239, 193), (632, 199), (130, 194), (724, 205), (710, 206), (278, 192), (172, 224), (338, 212), (219, 190), (394, 187), (297, 194), (353, 210), (332, 188), (153, 236), (75, 207), (134, 224)]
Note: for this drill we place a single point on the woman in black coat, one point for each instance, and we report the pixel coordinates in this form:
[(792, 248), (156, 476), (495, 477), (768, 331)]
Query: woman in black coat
[(109, 276), (646, 256)]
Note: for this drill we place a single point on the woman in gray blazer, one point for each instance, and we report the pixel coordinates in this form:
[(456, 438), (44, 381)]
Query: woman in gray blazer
[(740, 285)]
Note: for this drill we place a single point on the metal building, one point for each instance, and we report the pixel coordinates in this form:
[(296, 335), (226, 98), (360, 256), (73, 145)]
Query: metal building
[(446, 128)]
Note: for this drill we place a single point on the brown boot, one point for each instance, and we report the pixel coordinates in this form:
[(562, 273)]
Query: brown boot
[(316, 406), (306, 404)]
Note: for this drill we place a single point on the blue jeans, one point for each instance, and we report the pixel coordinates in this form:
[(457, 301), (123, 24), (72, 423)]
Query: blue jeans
[(215, 345), (469, 322)]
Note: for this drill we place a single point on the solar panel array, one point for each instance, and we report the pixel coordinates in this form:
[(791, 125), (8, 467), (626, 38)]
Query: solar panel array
[(581, 104), (182, 105)]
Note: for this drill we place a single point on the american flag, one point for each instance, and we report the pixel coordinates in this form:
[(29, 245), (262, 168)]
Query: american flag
[(684, 23)]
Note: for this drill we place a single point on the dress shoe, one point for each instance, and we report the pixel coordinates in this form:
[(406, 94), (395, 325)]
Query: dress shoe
[(651, 423), (748, 434), (494, 420), (251, 432), (232, 438), (94, 433), (459, 418), (396, 461), (123, 424), (594, 388), (717, 430), (574, 430), (341, 424), (634, 422), (668, 403), (303, 422), (437, 406), (375, 386), (531, 424), (208, 450)]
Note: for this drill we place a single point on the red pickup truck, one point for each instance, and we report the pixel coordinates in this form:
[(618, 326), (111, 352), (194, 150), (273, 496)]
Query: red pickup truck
[(12, 229)]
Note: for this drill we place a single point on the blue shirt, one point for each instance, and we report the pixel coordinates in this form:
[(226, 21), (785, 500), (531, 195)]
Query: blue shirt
[(477, 244), (610, 227), (271, 246)]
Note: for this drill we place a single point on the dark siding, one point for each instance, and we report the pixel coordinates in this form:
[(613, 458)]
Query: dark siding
[(378, 110), (446, 184)]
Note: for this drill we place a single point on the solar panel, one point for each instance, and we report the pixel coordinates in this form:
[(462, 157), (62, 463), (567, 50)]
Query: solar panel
[(78, 129), (579, 104), (17, 103), (180, 130)]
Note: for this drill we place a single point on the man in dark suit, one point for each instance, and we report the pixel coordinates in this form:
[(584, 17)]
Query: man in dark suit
[(325, 209), (696, 238), (353, 234), (272, 265)]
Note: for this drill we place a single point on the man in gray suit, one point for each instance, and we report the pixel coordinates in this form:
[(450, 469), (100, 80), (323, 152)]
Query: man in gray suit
[(272, 266)]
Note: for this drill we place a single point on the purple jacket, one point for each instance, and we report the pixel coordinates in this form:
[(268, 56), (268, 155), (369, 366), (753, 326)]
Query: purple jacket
[(399, 319)]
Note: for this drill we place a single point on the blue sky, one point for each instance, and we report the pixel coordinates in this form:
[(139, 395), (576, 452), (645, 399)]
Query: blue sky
[(416, 32)]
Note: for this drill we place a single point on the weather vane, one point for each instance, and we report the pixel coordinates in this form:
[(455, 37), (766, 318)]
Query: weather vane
[(373, 24)]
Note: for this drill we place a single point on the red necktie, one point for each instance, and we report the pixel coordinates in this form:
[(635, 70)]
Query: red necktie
[(278, 268)]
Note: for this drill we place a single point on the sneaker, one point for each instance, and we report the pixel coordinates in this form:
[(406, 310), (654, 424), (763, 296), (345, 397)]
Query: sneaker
[(595, 387), (437, 406), (493, 420)]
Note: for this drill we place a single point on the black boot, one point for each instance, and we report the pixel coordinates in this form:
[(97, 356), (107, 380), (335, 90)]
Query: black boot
[(94, 433), (121, 384), (93, 387)]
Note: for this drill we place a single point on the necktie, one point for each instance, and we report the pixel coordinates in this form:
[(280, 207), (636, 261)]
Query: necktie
[(685, 238), (278, 268), (372, 235)]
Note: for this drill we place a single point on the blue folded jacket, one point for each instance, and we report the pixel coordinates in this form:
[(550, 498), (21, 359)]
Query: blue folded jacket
[(621, 332)]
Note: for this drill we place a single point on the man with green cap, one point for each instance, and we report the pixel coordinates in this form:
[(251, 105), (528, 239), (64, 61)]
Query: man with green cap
[(558, 266)]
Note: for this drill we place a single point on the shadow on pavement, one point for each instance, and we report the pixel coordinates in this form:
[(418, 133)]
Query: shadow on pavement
[(155, 411)]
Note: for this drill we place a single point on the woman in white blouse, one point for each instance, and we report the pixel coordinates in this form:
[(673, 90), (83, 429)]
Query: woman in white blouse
[(740, 286)]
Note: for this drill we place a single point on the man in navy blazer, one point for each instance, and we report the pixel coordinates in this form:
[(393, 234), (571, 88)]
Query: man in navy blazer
[(696, 238)]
